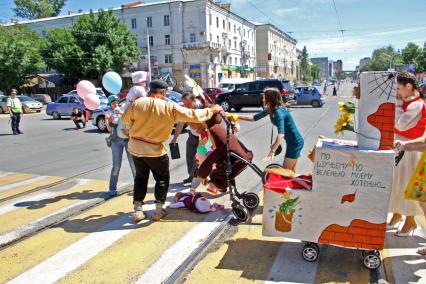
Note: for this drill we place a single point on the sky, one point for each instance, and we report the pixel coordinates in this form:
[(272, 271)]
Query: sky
[(367, 24)]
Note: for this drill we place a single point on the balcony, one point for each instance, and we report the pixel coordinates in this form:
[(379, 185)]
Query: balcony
[(226, 50)]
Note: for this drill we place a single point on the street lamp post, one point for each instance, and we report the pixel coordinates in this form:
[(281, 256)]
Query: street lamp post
[(149, 51)]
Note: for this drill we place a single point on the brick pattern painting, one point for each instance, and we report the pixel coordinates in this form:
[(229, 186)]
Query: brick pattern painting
[(359, 234), (384, 120)]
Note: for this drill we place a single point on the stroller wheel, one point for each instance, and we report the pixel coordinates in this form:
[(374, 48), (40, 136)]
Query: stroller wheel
[(266, 175), (251, 200), (310, 252), (372, 260), (241, 213)]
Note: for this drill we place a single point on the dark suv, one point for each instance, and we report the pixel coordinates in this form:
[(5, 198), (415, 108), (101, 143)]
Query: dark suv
[(249, 94)]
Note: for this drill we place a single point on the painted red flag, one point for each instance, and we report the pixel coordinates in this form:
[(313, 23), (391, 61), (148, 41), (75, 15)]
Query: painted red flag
[(348, 198)]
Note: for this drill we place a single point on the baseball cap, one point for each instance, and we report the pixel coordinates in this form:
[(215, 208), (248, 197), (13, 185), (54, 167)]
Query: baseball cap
[(112, 99)]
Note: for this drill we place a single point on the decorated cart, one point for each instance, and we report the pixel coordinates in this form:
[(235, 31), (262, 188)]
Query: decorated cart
[(345, 202)]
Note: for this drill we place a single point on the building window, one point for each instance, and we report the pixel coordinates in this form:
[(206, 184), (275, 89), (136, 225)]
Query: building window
[(230, 43), (133, 24), (166, 20), (167, 39), (244, 32), (211, 37), (218, 39), (151, 40), (149, 22), (229, 26), (224, 24), (210, 19), (236, 61), (235, 44), (168, 58), (192, 37), (217, 22), (235, 29)]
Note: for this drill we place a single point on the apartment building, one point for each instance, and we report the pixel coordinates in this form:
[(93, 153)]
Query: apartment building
[(276, 53)]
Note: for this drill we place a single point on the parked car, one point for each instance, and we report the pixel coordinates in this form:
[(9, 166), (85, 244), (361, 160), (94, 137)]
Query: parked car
[(98, 116), (213, 92), (64, 106), (29, 104), (249, 94), (3, 105), (102, 97), (289, 87), (308, 95), (316, 84), (42, 98)]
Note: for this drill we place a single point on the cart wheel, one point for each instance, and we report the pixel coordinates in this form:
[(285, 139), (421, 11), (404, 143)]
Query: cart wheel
[(372, 260), (310, 252), (271, 166), (251, 200), (240, 213)]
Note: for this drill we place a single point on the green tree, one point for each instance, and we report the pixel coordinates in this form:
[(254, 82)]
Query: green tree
[(19, 57), (410, 53), (36, 9), (315, 72), (304, 64), (93, 46), (383, 58), (421, 61)]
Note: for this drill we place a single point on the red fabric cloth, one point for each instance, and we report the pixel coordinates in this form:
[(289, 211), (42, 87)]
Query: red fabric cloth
[(418, 130), (279, 183)]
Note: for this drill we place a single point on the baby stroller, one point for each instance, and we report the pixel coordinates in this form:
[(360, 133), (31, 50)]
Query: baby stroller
[(243, 204)]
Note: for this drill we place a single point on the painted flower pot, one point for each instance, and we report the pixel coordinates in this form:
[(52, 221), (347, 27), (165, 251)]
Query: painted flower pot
[(283, 221)]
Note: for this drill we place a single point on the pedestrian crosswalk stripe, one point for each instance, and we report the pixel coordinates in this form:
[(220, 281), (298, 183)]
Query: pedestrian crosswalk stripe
[(41, 208), (14, 177), (21, 183), (174, 256), (27, 187)]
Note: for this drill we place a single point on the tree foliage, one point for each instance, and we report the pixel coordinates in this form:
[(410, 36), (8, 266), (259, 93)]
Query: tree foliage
[(93, 46), (383, 58), (304, 65), (20, 56), (315, 72), (36, 9)]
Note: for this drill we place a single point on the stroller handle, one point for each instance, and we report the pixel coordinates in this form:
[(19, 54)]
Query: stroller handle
[(225, 118)]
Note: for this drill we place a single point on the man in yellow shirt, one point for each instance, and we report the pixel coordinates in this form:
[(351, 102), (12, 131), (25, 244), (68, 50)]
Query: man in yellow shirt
[(151, 121)]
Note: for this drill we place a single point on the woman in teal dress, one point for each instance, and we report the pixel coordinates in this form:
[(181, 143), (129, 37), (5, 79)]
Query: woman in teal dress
[(287, 129)]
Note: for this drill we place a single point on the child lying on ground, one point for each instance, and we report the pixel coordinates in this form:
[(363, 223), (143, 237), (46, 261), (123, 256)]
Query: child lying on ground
[(195, 202)]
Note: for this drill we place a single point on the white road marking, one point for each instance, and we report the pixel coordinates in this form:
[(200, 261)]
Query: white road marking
[(22, 183), (37, 197), (5, 174), (173, 257)]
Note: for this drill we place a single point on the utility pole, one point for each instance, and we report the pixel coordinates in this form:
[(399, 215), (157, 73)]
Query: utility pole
[(149, 51)]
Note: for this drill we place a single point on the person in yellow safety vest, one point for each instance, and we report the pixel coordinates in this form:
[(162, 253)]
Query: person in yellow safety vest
[(15, 110)]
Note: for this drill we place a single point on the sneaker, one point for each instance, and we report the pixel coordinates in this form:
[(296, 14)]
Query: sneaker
[(159, 213), (187, 180), (112, 193), (138, 215)]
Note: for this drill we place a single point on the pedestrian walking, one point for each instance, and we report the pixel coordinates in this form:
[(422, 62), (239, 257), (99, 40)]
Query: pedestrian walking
[(151, 121), (334, 90), (287, 129), (189, 101), (78, 117), (119, 143), (325, 89), (14, 106), (410, 124)]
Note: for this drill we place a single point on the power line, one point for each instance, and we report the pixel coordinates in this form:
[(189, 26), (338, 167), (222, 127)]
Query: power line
[(341, 28)]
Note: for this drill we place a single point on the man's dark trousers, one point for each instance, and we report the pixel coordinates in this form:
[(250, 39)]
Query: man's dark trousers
[(16, 119), (159, 166)]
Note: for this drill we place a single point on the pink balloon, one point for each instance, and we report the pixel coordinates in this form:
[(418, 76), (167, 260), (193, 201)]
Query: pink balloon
[(85, 88), (92, 101)]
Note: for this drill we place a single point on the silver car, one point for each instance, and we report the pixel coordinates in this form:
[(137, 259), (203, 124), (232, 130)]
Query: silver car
[(28, 104)]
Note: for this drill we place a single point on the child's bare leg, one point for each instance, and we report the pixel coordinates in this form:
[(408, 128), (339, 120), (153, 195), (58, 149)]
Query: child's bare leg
[(195, 183)]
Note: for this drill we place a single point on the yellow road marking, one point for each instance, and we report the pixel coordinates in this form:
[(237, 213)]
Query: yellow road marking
[(29, 187), (15, 178), (47, 206)]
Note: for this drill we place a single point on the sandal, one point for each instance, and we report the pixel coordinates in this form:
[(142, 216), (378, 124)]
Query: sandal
[(421, 251)]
